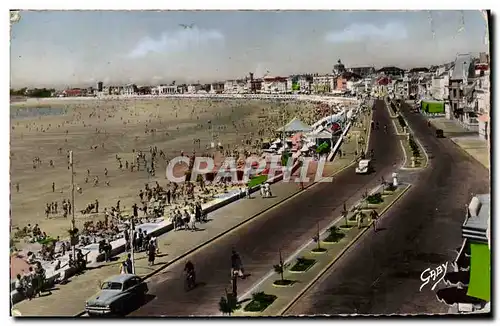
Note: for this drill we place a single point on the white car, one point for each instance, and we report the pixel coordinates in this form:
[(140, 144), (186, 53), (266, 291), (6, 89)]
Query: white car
[(363, 167)]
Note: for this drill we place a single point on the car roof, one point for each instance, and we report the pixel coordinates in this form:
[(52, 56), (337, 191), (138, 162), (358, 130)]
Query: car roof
[(120, 278)]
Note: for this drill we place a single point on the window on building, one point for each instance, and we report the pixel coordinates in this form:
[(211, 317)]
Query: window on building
[(454, 93)]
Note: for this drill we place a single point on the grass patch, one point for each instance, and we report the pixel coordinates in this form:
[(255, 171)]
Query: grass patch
[(374, 199), (260, 301), (257, 180), (283, 282), (319, 250), (302, 264), (334, 237)]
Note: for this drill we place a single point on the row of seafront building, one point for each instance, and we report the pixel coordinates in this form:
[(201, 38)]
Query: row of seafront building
[(342, 80), (461, 86)]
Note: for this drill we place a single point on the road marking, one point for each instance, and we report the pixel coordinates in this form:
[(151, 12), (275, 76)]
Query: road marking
[(324, 270)]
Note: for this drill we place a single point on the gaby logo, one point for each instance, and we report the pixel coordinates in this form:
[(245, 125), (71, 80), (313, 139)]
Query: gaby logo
[(433, 274)]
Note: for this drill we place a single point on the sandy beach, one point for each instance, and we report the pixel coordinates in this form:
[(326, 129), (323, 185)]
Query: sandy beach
[(98, 131)]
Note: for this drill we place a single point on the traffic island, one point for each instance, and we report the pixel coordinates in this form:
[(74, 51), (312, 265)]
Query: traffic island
[(415, 157), (308, 267), (414, 153)]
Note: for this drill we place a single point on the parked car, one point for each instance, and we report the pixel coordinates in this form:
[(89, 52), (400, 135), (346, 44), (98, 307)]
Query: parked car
[(439, 133), (116, 295)]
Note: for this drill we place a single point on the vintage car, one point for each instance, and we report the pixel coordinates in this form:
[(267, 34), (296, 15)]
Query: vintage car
[(116, 295), (364, 167)]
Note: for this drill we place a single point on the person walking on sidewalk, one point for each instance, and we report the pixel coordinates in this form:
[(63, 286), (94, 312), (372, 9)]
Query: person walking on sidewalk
[(151, 254), (360, 219), (128, 264), (236, 264), (123, 267), (374, 217)]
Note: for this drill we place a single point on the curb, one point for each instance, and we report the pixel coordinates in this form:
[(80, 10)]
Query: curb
[(220, 235), (326, 268)]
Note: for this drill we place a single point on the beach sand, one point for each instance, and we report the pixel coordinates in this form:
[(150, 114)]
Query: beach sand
[(120, 126)]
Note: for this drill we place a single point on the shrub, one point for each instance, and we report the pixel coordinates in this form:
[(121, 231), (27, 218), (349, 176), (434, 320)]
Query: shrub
[(402, 121), (375, 198), (414, 147), (390, 187)]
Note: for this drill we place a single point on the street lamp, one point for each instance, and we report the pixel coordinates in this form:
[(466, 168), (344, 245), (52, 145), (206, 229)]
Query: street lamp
[(73, 226)]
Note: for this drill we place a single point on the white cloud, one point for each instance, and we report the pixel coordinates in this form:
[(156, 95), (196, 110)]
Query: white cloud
[(363, 32), (176, 41)]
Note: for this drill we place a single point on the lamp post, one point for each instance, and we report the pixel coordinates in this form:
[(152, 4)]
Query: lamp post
[(73, 226), (132, 231)]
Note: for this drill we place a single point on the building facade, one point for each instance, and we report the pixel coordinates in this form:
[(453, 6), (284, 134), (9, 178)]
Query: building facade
[(362, 71)]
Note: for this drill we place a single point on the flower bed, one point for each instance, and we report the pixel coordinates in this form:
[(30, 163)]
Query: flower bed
[(260, 301), (302, 265)]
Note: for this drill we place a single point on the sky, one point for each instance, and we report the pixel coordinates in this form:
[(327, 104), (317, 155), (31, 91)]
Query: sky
[(78, 48)]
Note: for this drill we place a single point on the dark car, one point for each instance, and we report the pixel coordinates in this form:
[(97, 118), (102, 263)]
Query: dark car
[(439, 133), (116, 295)]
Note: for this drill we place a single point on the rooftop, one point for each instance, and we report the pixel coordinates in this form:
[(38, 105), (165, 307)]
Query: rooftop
[(476, 224)]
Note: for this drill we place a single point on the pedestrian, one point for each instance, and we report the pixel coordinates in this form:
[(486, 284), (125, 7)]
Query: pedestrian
[(123, 267), (53, 186), (128, 263), (151, 254), (169, 194), (236, 264), (374, 216), (247, 192), (155, 243), (360, 219), (192, 220), (17, 187)]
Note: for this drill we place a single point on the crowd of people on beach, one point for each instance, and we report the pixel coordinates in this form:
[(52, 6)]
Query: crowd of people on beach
[(180, 204)]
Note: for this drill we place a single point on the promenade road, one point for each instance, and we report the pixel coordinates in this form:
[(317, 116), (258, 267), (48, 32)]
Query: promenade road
[(381, 273), (286, 227)]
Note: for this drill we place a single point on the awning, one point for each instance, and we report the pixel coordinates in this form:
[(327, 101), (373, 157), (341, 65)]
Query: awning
[(480, 278)]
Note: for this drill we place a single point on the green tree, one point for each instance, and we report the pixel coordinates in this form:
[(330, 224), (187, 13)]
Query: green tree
[(227, 304)]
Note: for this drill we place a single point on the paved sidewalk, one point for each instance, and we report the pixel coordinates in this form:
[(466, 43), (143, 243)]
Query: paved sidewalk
[(467, 140), (475, 147), (69, 299)]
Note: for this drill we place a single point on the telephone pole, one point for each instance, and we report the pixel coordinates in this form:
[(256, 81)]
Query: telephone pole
[(73, 226)]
